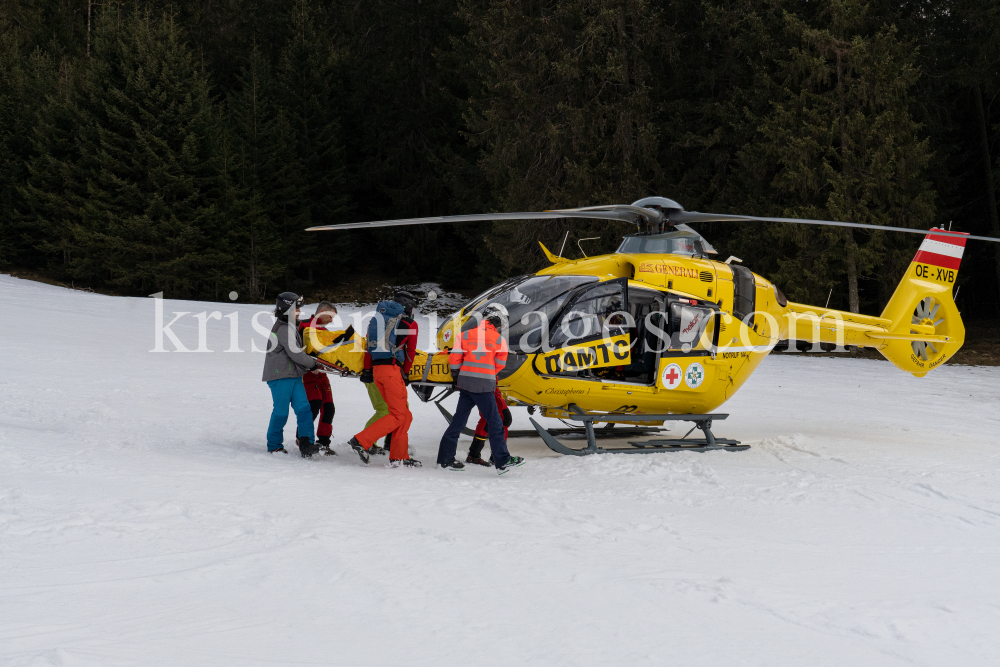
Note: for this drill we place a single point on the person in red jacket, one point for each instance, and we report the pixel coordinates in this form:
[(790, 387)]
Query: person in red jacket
[(317, 384), (406, 339), (479, 439)]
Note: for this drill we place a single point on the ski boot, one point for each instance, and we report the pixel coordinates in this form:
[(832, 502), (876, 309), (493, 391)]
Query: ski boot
[(512, 462), (281, 450), (476, 452), (384, 449), (408, 463), (454, 464), (306, 447), (324, 445), (362, 452)]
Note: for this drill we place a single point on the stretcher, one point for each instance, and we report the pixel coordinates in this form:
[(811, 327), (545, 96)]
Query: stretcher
[(343, 351)]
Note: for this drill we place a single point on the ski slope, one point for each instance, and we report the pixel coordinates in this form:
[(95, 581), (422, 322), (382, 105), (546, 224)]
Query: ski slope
[(142, 522)]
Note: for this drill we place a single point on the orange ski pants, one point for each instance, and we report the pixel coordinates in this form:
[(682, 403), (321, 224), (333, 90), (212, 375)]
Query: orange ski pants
[(389, 380)]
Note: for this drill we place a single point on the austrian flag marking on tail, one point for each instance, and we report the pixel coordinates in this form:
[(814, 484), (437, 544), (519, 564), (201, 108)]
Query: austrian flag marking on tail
[(942, 251)]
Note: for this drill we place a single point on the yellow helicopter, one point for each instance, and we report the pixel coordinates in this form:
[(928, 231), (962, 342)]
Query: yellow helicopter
[(657, 331)]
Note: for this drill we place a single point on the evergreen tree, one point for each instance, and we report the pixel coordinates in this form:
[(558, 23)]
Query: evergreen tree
[(27, 76), (118, 170), (309, 186), (404, 94), (55, 186), (564, 113), (843, 145), (250, 150), (963, 58), (134, 196), (225, 33)]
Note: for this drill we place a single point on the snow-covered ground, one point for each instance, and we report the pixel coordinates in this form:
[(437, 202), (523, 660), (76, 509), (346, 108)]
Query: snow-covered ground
[(142, 522)]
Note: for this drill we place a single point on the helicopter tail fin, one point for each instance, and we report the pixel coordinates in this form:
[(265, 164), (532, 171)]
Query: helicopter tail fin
[(554, 259), (926, 327)]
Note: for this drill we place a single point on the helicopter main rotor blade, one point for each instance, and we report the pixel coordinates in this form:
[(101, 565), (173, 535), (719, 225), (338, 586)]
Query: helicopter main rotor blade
[(694, 216), (649, 214), (623, 216)]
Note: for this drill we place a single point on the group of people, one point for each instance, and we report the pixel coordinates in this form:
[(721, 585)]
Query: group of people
[(299, 380)]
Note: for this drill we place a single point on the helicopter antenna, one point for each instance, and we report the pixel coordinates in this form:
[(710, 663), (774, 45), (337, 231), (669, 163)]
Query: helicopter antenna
[(592, 238), (563, 246)]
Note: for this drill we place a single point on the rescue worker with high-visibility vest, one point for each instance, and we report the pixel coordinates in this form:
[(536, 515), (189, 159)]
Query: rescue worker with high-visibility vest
[(480, 354), (482, 432)]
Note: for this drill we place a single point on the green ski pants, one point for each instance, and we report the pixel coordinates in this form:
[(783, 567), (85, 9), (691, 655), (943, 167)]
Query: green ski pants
[(381, 409)]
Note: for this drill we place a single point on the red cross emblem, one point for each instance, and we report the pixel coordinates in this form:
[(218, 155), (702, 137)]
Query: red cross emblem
[(672, 376)]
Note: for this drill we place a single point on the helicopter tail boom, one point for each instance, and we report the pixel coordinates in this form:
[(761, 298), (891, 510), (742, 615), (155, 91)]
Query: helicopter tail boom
[(920, 327)]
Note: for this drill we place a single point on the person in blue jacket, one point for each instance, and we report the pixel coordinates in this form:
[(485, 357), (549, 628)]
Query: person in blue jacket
[(285, 363)]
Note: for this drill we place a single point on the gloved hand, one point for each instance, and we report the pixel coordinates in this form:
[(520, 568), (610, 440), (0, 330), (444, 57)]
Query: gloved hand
[(406, 378), (507, 417), (367, 376)]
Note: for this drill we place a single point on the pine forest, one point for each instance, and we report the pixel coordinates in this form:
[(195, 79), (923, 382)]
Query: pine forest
[(185, 146)]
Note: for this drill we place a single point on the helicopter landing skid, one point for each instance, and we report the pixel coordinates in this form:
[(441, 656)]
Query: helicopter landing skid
[(608, 431), (703, 422)]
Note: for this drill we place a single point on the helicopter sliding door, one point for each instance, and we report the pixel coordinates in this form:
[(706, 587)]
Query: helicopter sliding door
[(612, 334), (647, 309), (664, 327), (592, 332)]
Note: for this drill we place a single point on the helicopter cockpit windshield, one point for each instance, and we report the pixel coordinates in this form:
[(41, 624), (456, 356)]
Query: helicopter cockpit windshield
[(671, 243), (538, 297)]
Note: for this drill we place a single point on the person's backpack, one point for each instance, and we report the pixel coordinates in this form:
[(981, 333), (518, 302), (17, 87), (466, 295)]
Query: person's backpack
[(382, 339)]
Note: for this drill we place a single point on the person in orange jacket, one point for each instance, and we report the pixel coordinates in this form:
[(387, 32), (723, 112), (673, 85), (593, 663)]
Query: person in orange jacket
[(482, 432), (480, 354)]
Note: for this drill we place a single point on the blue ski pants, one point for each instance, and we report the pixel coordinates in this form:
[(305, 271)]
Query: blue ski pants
[(487, 403), (285, 392)]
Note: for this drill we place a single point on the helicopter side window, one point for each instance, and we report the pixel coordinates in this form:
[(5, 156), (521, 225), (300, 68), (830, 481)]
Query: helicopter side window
[(530, 302), (494, 291), (597, 312), (671, 243)]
